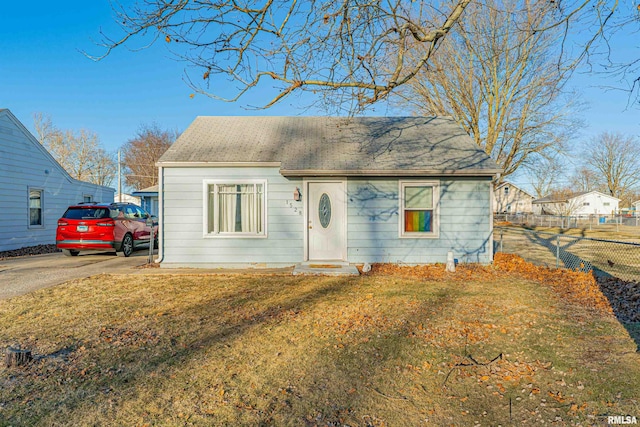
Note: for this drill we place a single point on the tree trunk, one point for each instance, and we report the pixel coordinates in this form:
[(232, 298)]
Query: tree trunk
[(17, 357)]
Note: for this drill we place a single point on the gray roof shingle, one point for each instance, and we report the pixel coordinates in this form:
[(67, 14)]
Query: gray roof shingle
[(330, 145)]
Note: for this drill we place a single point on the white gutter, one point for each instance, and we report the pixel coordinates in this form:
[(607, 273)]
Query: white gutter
[(160, 215)]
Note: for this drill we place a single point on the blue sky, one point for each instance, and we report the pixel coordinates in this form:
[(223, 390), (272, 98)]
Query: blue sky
[(43, 70)]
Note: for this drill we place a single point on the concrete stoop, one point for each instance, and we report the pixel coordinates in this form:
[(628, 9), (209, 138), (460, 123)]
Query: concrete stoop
[(326, 269)]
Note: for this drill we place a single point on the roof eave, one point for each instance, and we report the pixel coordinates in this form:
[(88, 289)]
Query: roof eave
[(392, 173), (188, 164)]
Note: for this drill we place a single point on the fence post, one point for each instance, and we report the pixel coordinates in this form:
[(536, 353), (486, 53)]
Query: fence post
[(501, 239), (557, 251)]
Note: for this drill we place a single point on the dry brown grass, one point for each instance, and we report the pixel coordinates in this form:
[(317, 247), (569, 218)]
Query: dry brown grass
[(482, 346)]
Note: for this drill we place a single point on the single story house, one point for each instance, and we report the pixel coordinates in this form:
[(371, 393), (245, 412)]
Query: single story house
[(126, 198), (148, 199), (577, 204), (34, 189), (509, 198), (281, 191)]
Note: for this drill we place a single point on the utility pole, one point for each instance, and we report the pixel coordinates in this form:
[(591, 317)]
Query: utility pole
[(119, 179)]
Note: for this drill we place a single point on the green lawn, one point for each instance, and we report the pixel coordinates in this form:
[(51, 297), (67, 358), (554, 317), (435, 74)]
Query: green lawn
[(479, 347)]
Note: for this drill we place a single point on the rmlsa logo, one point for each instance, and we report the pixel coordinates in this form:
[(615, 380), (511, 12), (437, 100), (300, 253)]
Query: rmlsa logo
[(622, 420)]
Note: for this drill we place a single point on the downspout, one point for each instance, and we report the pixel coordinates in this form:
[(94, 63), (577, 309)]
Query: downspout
[(492, 202), (160, 215)]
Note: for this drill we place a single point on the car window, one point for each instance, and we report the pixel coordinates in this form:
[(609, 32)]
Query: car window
[(86, 213), (141, 213), (129, 212), (115, 211), (101, 213)]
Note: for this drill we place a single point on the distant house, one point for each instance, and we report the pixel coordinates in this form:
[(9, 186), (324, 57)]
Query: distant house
[(577, 204), (34, 189), (509, 198), (126, 198), (281, 191), (148, 199), (635, 208)]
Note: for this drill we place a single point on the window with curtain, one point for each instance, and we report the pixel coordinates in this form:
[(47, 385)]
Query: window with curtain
[(236, 209), (418, 206), (35, 208)]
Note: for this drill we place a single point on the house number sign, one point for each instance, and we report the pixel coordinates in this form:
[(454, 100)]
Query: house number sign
[(324, 210)]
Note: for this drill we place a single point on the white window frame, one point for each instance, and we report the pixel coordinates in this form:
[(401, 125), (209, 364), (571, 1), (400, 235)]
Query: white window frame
[(435, 233), (41, 191), (216, 234), (87, 196)]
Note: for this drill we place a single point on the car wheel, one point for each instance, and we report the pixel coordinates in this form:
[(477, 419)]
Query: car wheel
[(127, 245), (69, 252)]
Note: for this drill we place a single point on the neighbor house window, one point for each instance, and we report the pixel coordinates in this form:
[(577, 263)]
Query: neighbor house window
[(35, 208), (506, 190), (235, 209), (606, 204), (418, 209), (87, 199)]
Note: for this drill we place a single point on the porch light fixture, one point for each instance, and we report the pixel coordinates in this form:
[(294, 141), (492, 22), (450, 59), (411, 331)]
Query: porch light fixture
[(297, 195)]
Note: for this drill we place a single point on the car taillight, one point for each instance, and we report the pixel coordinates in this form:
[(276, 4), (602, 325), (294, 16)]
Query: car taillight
[(108, 223), (62, 223)]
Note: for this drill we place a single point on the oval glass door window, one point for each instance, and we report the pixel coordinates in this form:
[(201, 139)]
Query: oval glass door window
[(324, 210)]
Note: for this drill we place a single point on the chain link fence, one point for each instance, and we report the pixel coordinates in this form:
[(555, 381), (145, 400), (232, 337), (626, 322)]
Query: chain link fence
[(605, 258), (587, 222)]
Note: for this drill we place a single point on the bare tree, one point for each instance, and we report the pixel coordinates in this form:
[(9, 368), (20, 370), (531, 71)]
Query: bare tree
[(325, 46), (79, 153), (355, 53), (502, 80), (544, 174), (141, 153), (585, 179), (627, 197), (616, 159), (614, 56), (562, 202)]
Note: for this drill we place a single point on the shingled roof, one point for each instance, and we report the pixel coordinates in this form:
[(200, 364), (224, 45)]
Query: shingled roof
[(329, 146)]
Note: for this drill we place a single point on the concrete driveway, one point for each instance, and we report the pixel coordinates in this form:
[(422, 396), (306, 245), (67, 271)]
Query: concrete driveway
[(22, 275)]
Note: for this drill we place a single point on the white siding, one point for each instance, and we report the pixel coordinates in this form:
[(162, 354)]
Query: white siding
[(373, 224), (24, 165), (595, 203), (183, 228)]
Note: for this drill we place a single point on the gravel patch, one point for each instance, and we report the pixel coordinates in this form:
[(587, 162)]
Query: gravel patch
[(29, 251)]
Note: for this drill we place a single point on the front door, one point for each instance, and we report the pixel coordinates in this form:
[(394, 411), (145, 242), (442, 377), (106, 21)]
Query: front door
[(326, 217)]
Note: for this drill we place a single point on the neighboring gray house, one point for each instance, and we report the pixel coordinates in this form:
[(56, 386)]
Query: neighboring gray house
[(509, 198), (278, 191), (34, 189), (148, 199)]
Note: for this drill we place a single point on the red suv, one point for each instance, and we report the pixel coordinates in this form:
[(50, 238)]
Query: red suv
[(96, 226)]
